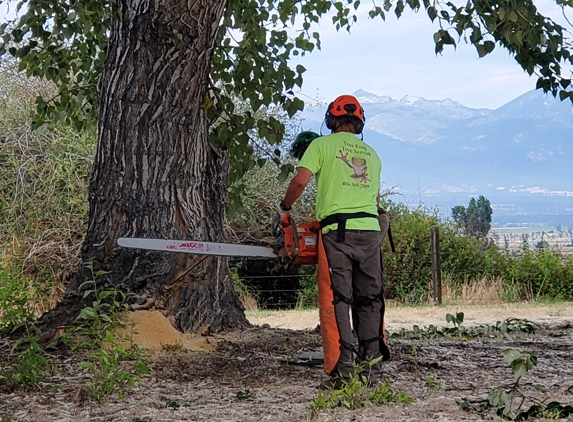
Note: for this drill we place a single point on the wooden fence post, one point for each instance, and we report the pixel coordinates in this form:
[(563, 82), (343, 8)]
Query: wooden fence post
[(436, 264)]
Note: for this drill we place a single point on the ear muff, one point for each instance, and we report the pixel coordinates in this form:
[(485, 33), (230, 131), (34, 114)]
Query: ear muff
[(329, 118), (358, 126)]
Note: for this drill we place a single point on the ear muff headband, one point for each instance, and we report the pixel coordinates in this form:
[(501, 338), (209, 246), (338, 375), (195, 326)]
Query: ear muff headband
[(330, 121)]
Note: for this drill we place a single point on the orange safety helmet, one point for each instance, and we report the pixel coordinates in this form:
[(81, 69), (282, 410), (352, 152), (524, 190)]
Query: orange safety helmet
[(345, 105)]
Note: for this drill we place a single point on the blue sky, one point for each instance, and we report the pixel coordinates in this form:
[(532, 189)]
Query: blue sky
[(396, 58)]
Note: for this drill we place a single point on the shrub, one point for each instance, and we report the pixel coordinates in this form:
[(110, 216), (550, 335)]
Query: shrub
[(43, 192)]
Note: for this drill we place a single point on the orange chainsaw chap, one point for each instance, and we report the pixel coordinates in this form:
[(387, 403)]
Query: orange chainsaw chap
[(328, 326)]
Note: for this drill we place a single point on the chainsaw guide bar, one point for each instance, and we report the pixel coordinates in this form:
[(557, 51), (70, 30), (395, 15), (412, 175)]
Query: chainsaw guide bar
[(195, 247)]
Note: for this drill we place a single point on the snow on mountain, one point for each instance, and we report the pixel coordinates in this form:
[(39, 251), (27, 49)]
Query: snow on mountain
[(368, 98), (441, 146)]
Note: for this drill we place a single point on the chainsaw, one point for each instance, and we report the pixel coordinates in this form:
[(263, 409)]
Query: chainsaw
[(295, 245)]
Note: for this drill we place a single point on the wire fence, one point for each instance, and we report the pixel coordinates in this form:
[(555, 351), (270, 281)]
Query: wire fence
[(424, 279), (302, 296)]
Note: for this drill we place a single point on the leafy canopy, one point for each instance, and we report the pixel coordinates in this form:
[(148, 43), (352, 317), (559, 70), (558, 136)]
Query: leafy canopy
[(66, 42)]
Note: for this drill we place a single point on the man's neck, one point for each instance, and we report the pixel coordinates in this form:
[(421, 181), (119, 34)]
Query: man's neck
[(347, 127)]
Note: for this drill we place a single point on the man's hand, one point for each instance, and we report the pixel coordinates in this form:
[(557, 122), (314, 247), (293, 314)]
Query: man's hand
[(283, 214), (281, 218)]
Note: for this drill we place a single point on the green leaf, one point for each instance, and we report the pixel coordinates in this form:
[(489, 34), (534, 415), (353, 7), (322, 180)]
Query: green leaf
[(519, 38), (399, 8), (87, 313), (481, 50), (494, 397), (489, 46), (106, 318), (519, 368), (510, 355), (414, 4), (142, 367), (432, 13), (106, 293), (286, 169)]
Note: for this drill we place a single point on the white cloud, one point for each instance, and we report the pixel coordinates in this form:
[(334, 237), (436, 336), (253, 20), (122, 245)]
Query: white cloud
[(461, 189), (540, 154), (542, 191)]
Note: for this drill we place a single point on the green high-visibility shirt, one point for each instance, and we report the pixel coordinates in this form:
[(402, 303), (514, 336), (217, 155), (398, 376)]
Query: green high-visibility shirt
[(347, 172)]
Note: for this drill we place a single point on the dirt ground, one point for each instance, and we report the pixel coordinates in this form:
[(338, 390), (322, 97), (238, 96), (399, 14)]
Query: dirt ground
[(245, 375), (398, 317)]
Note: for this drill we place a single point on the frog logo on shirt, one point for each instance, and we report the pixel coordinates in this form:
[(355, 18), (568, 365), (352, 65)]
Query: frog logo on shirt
[(358, 165)]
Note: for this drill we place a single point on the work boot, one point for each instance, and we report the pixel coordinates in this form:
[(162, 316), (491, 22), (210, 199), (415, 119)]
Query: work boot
[(373, 381), (333, 383)]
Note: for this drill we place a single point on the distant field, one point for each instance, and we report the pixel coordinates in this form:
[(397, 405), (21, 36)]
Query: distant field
[(562, 240), (524, 229)]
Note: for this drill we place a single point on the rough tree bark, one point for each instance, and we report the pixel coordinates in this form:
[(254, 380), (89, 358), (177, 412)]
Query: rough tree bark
[(155, 174)]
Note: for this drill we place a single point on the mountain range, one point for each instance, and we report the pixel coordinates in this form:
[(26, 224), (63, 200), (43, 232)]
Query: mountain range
[(439, 152)]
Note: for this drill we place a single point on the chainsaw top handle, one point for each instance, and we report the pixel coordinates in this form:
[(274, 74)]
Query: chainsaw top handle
[(295, 235)]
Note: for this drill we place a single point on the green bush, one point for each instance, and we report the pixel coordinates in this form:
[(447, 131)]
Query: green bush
[(526, 274), (308, 286), (544, 273), (15, 306), (408, 269)]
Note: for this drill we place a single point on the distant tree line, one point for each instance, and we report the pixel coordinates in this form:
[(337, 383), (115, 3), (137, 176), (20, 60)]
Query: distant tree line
[(475, 220)]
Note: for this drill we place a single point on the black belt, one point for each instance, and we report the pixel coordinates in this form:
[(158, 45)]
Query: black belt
[(340, 219)]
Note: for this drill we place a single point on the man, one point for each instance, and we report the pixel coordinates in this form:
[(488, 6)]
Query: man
[(347, 172)]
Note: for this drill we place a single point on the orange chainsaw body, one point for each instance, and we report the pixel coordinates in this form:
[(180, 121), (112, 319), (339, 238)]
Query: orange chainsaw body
[(300, 243)]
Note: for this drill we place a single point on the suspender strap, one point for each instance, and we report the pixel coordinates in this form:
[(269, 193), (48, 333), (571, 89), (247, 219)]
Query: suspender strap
[(340, 219), (350, 347), (339, 297), (391, 240)]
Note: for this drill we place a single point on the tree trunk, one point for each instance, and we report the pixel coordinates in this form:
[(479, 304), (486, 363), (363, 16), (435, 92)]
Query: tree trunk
[(156, 175)]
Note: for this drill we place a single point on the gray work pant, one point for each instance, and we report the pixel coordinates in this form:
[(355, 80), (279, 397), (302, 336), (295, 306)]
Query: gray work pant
[(356, 276)]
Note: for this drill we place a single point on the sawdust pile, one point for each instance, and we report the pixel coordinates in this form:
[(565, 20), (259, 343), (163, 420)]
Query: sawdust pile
[(154, 331)]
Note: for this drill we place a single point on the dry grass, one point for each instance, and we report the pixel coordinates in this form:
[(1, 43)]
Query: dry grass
[(483, 290), (248, 300), (43, 192)]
